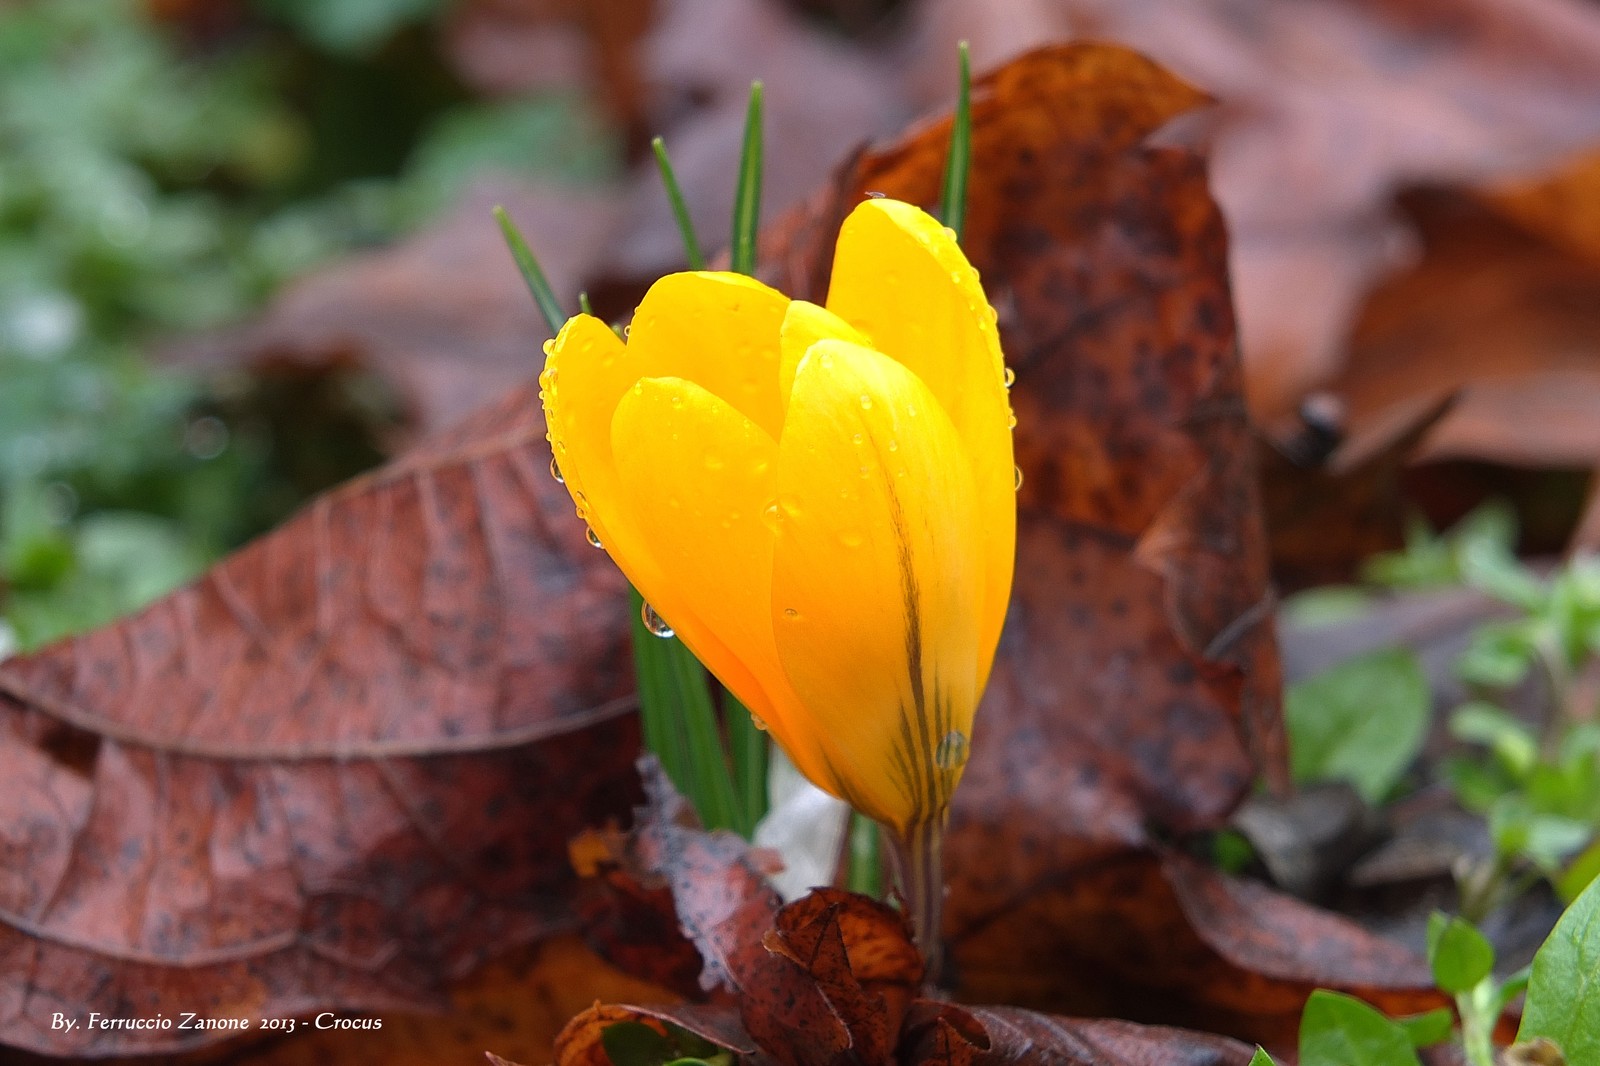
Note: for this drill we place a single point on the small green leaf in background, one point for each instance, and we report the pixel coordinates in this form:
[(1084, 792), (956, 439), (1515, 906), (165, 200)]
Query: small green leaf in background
[(1363, 722), (635, 1044), (1261, 1058), (1514, 745), (1563, 1002), (1460, 955), (1426, 1030), (1339, 1030)]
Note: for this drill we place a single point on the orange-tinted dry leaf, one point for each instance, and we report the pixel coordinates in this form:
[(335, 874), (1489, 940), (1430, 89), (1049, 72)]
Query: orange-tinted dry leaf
[(1326, 518), (1328, 110), (339, 770), (1505, 319)]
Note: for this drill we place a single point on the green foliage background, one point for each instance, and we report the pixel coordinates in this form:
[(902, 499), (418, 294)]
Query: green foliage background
[(152, 185)]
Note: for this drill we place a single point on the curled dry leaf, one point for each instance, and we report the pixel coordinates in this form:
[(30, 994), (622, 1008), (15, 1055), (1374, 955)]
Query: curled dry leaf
[(1137, 681), (335, 772)]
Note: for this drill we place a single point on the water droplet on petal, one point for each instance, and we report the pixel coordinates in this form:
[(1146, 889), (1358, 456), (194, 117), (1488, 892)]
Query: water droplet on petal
[(1016, 479), (894, 445), (592, 537), (627, 331), (911, 410), (550, 346), (555, 471), (851, 538), (1010, 377), (755, 720), (790, 613), (948, 232), (1011, 420), (772, 517), (714, 461), (655, 623), (951, 754), (866, 402)]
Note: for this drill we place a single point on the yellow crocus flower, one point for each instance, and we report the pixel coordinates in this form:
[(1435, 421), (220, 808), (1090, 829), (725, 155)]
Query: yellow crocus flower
[(819, 501)]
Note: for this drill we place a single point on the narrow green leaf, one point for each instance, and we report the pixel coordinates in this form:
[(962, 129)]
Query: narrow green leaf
[(958, 163), (1340, 1030), (1362, 721), (711, 780), (532, 275), (584, 305), (1426, 1030), (1564, 990), (658, 703), (1459, 954), (680, 209), (747, 201), (866, 861), (749, 748), (1261, 1058)]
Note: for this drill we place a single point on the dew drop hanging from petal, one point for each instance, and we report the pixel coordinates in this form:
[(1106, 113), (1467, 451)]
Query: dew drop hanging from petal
[(1010, 377), (655, 623), (951, 754), (555, 471), (1016, 479), (592, 537)]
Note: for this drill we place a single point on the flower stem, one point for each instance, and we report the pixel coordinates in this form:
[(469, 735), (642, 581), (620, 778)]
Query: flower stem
[(918, 856)]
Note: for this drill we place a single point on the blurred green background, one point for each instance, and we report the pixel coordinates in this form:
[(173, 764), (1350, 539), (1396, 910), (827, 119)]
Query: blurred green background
[(159, 176)]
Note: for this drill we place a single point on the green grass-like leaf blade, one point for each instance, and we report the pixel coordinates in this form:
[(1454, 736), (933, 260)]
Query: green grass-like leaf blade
[(680, 209), (958, 163), (747, 200), (532, 274), (748, 748)]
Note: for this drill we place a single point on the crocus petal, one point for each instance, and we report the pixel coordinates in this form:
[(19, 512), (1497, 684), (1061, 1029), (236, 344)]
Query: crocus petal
[(718, 330), (697, 478), (587, 370), (873, 585), (804, 324), (901, 278)]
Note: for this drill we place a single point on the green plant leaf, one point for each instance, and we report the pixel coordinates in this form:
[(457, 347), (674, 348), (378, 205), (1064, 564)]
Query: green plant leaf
[(1426, 1030), (1579, 874), (1499, 655), (958, 162), (1339, 1030), (749, 749), (532, 274), (680, 209), (1363, 722), (1261, 1058), (1514, 745), (747, 199), (636, 1044), (1461, 956), (1564, 989)]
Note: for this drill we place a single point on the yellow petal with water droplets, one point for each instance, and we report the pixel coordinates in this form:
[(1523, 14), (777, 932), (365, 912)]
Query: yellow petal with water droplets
[(874, 588), (719, 330), (804, 325), (696, 478), (901, 278)]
